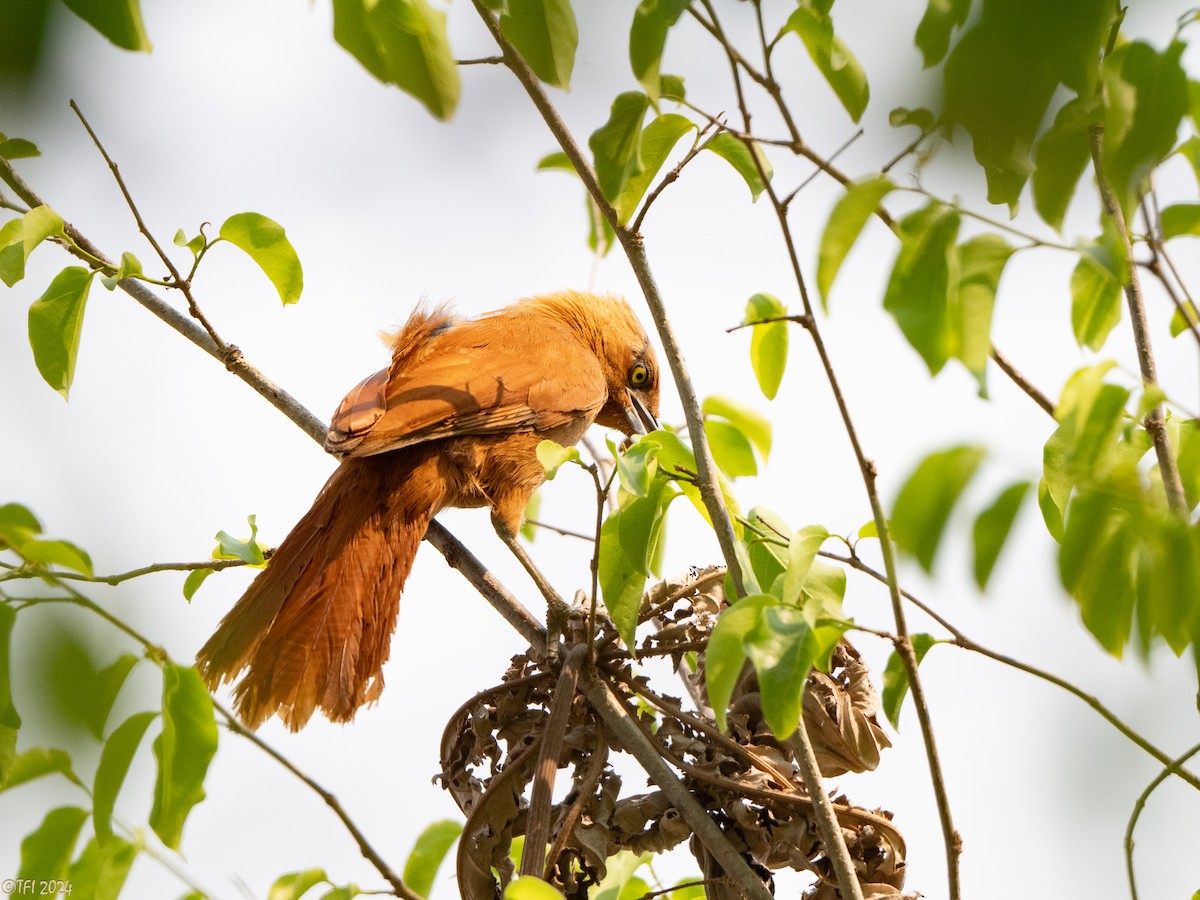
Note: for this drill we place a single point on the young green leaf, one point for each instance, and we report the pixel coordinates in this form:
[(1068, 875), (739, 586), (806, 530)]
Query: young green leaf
[(295, 885), (734, 152), (753, 425), (616, 145), (115, 759), (37, 225), (933, 33), (130, 266), (545, 33), (12, 251), (919, 118), (553, 456), (427, 854), (100, 871), (992, 528), (647, 38), (38, 762), (730, 448), (17, 525), (658, 140), (802, 551), (46, 852), (1147, 98), (1106, 587), (833, 58), (57, 553), (1092, 450), (248, 551), (118, 20), (184, 749), (102, 693), (780, 647), (55, 324), (1063, 152), (925, 501), (192, 583), (529, 887), (10, 721), (1188, 461), (17, 148), (918, 291), (981, 262), (726, 655), (1095, 303), (1168, 579), (528, 529), (265, 242), (1181, 218), (195, 244), (845, 224), (768, 343), (402, 42), (895, 678)]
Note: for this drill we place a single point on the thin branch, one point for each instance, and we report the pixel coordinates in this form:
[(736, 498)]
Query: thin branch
[(632, 244), (565, 532), (330, 800), (1021, 381), (215, 564), (481, 61), (670, 177), (1140, 804), (179, 280), (1185, 306), (1155, 421)]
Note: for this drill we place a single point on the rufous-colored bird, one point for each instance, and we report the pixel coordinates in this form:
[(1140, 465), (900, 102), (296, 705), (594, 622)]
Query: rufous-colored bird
[(455, 420)]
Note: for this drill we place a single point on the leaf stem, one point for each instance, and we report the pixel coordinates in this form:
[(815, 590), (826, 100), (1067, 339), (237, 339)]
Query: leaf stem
[(1172, 768)]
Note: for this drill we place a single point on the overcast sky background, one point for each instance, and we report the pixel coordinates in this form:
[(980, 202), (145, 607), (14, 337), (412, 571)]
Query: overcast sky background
[(251, 106)]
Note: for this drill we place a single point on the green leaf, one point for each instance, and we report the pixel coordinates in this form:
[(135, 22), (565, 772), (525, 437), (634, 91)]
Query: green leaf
[(10, 721), (545, 33), (647, 38), (981, 262), (195, 244), (919, 118), (1146, 97), (63, 554), (55, 324), (1183, 317), (924, 503), (1092, 450), (552, 456), (933, 33), (616, 145), (768, 342), (102, 693), (248, 551), (17, 525), (528, 887), (295, 885), (37, 225), (734, 152), (753, 425), (1105, 588), (183, 750), (1063, 153), (192, 583), (726, 656), (730, 448), (402, 42), (1181, 218), (992, 528), (658, 140), (834, 60), (130, 266), (670, 87), (1188, 461), (100, 871), (344, 892), (115, 759), (265, 242), (118, 20), (528, 529), (18, 148), (845, 224), (427, 854), (1168, 579), (895, 678), (628, 540), (38, 762), (12, 252), (802, 551), (784, 644), (918, 291), (46, 852), (636, 467)]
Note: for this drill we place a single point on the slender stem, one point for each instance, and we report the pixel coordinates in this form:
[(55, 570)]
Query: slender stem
[(631, 243), (1021, 381), (1171, 768), (671, 177), (215, 564), (1155, 422)]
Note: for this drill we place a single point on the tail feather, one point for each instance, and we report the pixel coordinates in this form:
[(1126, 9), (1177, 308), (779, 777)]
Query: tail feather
[(314, 629)]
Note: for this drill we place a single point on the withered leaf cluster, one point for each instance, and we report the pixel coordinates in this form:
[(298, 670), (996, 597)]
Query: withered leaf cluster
[(747, 779)]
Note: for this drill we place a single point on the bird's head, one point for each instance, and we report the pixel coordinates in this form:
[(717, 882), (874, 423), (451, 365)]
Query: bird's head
[(614, 334)]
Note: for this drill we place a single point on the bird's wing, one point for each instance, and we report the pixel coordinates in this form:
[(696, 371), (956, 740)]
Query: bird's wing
[(478, 377)]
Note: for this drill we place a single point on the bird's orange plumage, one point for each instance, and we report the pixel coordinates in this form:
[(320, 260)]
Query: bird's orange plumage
[(455, 420)]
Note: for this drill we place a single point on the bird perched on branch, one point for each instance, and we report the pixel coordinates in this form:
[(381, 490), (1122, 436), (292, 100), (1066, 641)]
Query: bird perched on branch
[(455, 420)]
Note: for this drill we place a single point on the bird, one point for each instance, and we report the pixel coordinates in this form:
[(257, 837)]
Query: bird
[(453, 421)]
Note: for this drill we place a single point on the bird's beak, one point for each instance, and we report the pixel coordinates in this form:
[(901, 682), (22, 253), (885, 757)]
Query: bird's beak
[(640, 419)]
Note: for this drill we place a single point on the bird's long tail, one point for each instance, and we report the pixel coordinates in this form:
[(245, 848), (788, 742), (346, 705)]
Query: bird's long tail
[(314, 629)]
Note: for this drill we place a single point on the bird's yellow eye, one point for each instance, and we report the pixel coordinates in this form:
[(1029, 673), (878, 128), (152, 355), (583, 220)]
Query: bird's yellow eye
[(639, 375)]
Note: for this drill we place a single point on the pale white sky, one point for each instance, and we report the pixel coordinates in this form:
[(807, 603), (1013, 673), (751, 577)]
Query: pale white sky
[(253, 107)]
